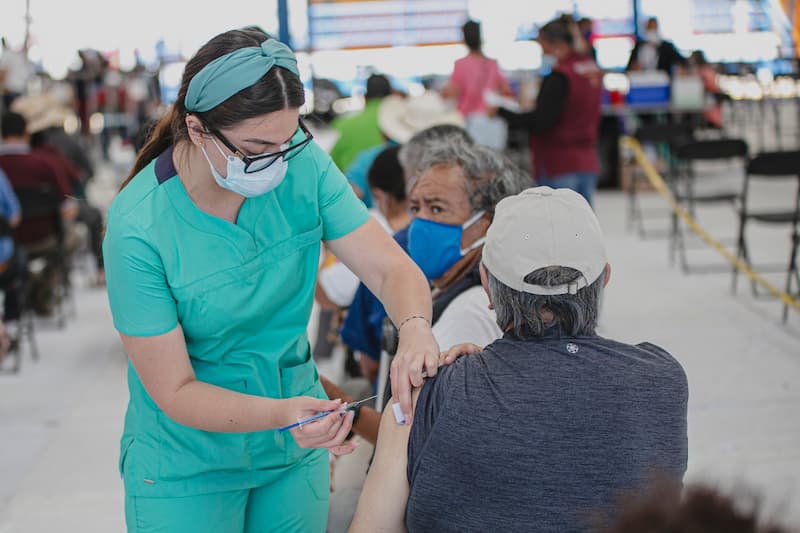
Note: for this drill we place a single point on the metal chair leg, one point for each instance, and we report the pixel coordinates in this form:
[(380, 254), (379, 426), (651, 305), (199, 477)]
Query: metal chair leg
[(739, 254), (794, 272)]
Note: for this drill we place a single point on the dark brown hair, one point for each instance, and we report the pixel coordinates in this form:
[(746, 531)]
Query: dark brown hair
[(698, 508), (472, 35), (557, 31), (277, 89)]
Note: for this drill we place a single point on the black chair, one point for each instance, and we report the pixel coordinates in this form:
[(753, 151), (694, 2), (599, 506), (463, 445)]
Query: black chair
[(15, 284), (665, 137), (771, 166), (43, 203), (684, 186)]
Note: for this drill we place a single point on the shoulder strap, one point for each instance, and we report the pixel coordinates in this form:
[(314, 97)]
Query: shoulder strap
[(443, 300)]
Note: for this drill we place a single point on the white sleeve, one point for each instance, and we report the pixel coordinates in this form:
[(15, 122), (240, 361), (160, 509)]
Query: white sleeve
[(467, 319), (339, 283)]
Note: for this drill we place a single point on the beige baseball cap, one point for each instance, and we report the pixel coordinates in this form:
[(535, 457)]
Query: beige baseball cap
[(543, 227)]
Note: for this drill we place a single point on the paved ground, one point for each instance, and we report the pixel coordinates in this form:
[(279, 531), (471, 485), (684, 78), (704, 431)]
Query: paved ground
[(60, 418)]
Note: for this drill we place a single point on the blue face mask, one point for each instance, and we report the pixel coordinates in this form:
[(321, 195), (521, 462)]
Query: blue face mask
[(435, 247)]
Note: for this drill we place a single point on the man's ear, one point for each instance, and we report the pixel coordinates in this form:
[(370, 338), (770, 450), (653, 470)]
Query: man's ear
[(485, 284), (607, 275)]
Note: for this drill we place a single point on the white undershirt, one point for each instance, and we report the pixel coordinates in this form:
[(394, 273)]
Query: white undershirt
[(467, 319)]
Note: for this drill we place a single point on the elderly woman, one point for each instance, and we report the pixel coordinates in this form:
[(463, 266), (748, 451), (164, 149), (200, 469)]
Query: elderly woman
[(362, 330), (547, 426), (453, 202)]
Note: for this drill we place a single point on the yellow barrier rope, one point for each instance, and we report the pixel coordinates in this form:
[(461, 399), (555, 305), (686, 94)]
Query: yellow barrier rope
[(658, 184)]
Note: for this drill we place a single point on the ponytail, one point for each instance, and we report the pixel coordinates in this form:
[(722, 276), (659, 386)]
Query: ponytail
[(160, 138)]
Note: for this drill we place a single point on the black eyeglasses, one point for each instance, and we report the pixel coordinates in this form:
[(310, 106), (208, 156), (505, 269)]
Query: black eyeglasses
[(260, 162)]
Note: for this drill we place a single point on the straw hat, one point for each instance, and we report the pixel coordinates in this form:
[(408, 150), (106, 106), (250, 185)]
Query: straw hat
[(41, 111), (400, 118)]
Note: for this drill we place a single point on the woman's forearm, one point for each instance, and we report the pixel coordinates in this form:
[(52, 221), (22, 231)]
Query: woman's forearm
[(210, 408), (404, 293)]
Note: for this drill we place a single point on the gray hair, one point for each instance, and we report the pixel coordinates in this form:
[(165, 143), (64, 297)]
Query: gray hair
[(521, 312), (412, 151), (489, 176)]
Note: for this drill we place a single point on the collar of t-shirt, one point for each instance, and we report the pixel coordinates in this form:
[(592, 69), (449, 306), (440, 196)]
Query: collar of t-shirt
[(14, 148), (552, 332)]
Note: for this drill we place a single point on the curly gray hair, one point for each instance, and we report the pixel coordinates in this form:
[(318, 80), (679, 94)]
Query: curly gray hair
[(521, 312), (411, 153), (488, 175)]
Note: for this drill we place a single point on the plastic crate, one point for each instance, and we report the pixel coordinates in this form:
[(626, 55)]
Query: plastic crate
[(656, 94)]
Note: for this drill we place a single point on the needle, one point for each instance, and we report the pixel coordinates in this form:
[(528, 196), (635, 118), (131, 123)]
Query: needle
[(346, 407)]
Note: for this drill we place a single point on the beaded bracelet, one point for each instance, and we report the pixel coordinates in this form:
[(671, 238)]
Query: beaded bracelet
[(412, 317)]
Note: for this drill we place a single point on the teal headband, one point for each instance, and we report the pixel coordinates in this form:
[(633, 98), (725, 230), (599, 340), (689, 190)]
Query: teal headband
[(237, 70)]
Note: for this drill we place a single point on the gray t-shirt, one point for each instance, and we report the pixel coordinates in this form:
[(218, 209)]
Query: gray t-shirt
[(543, 434)]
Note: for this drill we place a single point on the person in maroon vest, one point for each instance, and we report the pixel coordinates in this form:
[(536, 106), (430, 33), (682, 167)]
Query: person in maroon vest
[(564, 124)]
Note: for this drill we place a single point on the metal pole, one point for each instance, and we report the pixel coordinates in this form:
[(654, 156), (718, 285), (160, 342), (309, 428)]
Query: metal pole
[(26, 41), (636, 32), (284, 35)]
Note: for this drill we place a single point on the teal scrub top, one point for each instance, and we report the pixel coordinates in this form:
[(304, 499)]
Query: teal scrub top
[(242, 294)]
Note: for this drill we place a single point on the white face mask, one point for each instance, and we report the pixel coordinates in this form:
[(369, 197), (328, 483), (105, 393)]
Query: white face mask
[(250, 184), (652, 37), (549, 61)]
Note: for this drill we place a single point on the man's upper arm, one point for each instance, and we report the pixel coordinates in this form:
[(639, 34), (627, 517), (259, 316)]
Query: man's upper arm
[(382, 506)]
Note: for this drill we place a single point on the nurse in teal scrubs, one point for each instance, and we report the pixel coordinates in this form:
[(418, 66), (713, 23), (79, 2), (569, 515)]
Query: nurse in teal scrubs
[(211, 253)]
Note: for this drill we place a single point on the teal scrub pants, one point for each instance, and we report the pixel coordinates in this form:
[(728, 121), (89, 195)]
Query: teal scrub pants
[(296, 502)]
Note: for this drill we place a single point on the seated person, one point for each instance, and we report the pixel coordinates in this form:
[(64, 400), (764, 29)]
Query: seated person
[(546, 427), (453, 202), (361, 331), (336, 283), (11, 261), (50, 143), (40, 234)]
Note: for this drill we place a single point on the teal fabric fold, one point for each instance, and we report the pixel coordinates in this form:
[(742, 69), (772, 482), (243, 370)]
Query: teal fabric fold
[(237, 70)]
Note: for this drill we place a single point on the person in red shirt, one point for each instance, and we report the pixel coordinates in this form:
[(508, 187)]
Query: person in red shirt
[(42, 143), (41, 235), (563, 127), (27, 168)]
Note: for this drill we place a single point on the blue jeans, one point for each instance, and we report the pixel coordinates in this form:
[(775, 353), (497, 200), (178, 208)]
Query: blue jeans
[(584, 183)]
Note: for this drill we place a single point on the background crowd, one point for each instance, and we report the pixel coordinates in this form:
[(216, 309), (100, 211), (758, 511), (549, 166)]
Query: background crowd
[(432, 168)]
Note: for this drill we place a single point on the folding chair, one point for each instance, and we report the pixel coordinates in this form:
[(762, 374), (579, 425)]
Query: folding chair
[(664, 136), (685, 186), (15, 283), (771, 166), (43, 202)]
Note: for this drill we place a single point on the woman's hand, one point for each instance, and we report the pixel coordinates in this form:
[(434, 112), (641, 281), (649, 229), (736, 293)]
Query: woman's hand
[(416, 352), (327, 432), (467, 348)]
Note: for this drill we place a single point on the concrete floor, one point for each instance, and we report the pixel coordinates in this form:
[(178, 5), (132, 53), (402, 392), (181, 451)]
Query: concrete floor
[(61, 417)]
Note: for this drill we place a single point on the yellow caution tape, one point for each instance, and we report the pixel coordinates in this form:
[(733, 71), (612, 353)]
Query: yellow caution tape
[(658, 184)]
